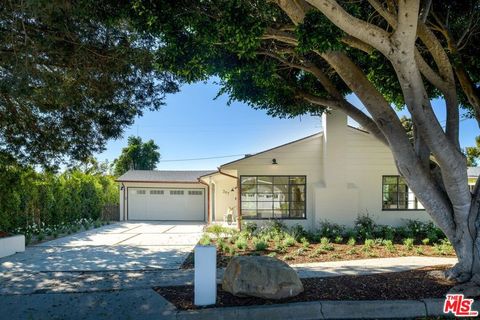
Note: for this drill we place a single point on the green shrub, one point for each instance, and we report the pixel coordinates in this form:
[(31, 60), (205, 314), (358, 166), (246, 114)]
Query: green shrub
[(250, 227), (260, 245), (444, 248), (368, 245), (297, 232), (205, 240), (40, 236), (330, 230), (351, 241), (217, 230), (289, 241), (408, 243), (231, 250), (305, 242), (325, 244), (389, 246), (426, 241), (272, 254), (419, 251), (364, 227), (338, 239), (318, 251), (288, 257), (241, 243)]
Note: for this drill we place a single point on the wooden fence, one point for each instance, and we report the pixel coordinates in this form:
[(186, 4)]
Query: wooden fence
[(111, 212)]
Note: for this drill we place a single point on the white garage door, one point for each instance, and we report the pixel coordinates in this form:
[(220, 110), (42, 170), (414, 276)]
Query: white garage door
[(166, 204)]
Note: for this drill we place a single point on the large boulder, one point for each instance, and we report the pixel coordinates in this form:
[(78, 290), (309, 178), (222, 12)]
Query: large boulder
[(263, 277)]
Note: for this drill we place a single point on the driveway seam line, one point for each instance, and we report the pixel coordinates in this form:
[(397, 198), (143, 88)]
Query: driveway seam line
[(131, 229), (135, 235)]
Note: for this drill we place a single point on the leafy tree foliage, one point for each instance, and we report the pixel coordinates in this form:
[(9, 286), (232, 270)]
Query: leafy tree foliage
[(31, 197), (292, 57), (473, 153), (72, 75), (138, 155)]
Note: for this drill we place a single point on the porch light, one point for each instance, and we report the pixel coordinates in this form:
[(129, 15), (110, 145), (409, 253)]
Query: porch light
[(274, 161)]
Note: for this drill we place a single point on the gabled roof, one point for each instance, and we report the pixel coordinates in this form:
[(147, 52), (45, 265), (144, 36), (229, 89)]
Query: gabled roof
[(264, 151), (163, 175)]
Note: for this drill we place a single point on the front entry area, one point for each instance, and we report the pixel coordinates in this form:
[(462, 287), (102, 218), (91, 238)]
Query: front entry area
[(181, 204)]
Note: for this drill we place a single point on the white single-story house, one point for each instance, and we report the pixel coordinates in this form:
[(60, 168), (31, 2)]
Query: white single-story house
[(335, 175)]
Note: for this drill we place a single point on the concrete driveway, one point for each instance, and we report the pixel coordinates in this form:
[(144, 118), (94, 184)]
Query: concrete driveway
[(120, 246)]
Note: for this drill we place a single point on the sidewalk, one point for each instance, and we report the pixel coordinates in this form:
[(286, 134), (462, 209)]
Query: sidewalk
[(129, 294)]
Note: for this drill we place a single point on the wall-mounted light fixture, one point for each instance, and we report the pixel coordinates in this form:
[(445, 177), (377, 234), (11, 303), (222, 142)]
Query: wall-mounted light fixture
[(274, 161)]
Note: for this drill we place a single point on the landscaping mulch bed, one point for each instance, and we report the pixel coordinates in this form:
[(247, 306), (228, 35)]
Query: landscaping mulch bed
[(3, 234), (408, 285), (297, 254)]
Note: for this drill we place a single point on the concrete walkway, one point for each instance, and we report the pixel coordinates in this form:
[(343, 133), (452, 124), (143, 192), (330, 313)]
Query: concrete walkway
[(14, 283), (120, 246)]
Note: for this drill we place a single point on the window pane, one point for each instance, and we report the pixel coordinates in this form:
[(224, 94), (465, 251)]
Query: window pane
[(297, 180), (249, 180), (297, 193), (280, 180), (264, 205), (262, 188), (249, 188), (265, 214), (390, 180), (249, 214), (297, 206), (249, 196), (265, 180), (280, 188), (249, 205), (264, 197), (390, 188), (279, 213), (297, 214)]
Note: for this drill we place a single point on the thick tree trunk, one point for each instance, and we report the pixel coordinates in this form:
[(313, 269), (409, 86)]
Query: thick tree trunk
[(467, 271)]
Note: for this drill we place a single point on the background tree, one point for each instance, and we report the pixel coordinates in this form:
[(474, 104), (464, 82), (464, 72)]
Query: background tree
[(137, 156), (292, 57), (72, 75), (473, 153)]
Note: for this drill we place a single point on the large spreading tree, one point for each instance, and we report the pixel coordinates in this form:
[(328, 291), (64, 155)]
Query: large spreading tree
[(292, 57), (73, 74)]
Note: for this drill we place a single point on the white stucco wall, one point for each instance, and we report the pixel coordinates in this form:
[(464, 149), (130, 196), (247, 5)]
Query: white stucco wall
[(344, 168), (124, 198), (299, 158), (223, 197)]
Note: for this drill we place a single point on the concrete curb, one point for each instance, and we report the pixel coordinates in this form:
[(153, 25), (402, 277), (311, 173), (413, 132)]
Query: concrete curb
[(370, 309)]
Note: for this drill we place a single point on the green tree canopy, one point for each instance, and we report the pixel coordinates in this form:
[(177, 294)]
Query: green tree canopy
[(292, 57), (138, 155), (73, 74), (473, 153)]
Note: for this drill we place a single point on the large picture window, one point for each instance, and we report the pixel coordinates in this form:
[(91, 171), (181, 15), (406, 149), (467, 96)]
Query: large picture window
[(273, 197), (397, 195)]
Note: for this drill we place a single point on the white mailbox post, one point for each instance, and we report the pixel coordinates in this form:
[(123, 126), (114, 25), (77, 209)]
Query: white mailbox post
[(205, 275)]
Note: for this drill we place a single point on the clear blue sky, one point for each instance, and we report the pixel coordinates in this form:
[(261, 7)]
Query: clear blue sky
[(193, 125)]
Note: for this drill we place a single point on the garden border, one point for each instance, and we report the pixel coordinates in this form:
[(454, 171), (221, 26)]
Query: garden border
[(359, 309)]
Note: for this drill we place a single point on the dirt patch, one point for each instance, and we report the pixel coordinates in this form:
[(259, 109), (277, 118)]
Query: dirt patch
[(3, 234), (314, 253), (409, 285)]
